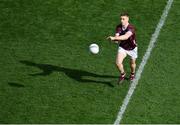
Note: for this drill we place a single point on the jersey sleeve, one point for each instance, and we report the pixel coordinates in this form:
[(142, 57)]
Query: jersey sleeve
[(131, 29)]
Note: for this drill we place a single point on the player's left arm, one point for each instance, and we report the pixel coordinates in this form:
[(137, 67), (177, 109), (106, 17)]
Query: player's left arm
[(122, 37)]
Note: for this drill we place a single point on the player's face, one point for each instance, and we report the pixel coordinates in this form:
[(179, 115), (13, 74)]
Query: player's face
[(124, 20)]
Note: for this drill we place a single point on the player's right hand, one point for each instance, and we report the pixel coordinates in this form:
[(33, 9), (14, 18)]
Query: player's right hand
[(110, 38)]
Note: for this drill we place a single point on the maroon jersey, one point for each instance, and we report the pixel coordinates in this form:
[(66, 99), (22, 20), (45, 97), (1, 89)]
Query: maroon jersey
[(130, 43)]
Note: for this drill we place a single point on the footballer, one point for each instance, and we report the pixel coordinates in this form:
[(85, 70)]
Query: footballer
[(125, 36)]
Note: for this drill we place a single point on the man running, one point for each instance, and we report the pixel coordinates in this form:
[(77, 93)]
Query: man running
[(126, 38)]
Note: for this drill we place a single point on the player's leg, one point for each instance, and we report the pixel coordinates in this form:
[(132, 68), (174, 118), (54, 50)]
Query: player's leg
[(133, 55), (119, 63), (133, 65), (133, 68)]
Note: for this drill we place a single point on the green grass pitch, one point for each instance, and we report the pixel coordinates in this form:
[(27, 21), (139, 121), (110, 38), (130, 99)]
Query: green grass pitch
[(47, 74)]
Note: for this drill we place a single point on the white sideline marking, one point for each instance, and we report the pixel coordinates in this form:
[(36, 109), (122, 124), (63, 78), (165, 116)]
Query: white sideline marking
[(143, 62)]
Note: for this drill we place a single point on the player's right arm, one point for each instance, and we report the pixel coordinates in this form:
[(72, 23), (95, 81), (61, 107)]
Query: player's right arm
[(121, 37), (116, 35)]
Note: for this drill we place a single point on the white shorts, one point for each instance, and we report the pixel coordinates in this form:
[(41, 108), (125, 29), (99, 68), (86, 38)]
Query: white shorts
[(132, 53)]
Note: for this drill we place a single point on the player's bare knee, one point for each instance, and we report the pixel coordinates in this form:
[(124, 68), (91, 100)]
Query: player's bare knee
[(118, 63), (133, 65), (132, 62)]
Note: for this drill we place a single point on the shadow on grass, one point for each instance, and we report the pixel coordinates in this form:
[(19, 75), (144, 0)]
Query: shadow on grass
[(75, 74), (13, 84)]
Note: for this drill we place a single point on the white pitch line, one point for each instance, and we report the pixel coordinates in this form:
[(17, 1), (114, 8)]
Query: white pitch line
[(143, 62)]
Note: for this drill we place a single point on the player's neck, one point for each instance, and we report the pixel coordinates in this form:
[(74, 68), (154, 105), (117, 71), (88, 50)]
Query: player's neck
[(125, 26)]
